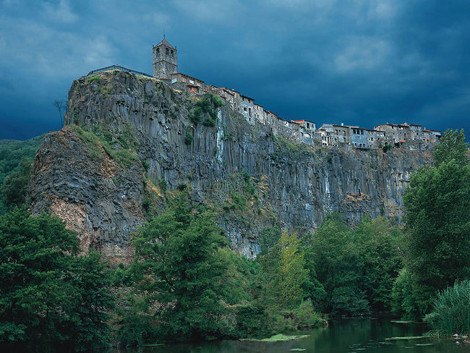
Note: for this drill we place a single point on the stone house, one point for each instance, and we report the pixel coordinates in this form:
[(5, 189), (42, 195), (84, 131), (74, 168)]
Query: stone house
[(359, 137), (430, 136), (231, 96), (395, 133), (335, 135), (259, 113), (324, 135), (187, 83), (375, 139), (246, 107), (342, 134), (308, 126)]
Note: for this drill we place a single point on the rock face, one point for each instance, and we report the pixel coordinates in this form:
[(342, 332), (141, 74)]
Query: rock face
[(93, 196), (252, 177)]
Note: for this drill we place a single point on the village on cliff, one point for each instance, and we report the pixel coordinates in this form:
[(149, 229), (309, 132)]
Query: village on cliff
[(408, 136)]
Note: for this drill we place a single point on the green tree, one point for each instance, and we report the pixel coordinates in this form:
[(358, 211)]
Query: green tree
[(339, 268), (379, 249), (437, 206), (282, 279), (15, 185), (91, 301), (11, 154), (404, 298), (292, 272), (47, 295), (357, 267), (179, 256), (452, 145)]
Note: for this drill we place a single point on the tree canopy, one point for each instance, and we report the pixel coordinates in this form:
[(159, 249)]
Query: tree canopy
[(437, 206), (357, 267), (179, 256), (49, 295), (15, 165)]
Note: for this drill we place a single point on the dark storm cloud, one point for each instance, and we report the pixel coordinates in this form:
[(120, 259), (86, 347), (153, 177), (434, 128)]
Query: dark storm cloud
[(360, 62)]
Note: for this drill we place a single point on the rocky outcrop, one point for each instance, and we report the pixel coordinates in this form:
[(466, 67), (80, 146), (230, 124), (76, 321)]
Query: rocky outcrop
[(252, 177), (96, 198)]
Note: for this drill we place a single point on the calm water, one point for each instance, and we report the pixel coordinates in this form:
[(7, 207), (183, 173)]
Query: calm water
[(355, 336)]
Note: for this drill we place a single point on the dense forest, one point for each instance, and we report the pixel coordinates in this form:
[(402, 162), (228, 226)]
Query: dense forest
[(186, 284), (15, 167)]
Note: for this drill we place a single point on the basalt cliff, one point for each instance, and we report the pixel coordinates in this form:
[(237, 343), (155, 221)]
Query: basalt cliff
[(130, 143)]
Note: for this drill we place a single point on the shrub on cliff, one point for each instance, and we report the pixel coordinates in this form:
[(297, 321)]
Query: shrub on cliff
[(207, 108)]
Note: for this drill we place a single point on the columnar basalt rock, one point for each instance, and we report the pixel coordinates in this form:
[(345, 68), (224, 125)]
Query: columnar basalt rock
[(253, 177)]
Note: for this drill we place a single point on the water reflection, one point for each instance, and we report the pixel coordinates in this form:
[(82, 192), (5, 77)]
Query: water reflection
[(354, 336)]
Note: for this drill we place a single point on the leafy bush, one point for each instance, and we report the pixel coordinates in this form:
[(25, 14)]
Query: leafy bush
[(207, 106), (182, 186), (208, 122), (387, 147), (305, 316), (188, 138), (94, 79), (451, 310), (163, 185), (251, 321), (145, 164), (404, 296)]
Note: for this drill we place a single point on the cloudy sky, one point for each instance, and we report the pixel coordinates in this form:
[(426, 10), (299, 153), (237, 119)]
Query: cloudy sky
[(359, 62)]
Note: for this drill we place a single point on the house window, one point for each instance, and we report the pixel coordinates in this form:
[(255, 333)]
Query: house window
[(172, 53), (167, 51), (158, 51)]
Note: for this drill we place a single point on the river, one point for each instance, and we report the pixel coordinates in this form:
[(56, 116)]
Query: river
[(342, 336)]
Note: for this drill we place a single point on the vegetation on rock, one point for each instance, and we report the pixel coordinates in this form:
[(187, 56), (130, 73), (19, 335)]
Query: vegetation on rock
[(206, 108), (120, 144)]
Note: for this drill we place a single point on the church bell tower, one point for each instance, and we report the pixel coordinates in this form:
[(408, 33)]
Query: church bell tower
[(165, 60)]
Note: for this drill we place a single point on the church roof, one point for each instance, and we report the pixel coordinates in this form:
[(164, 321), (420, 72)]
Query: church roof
[(165, 42)]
